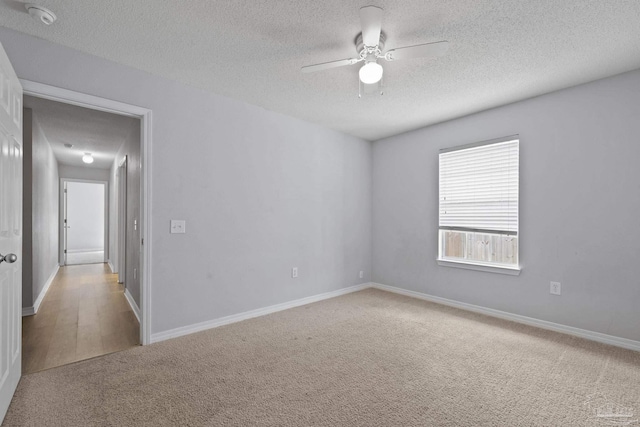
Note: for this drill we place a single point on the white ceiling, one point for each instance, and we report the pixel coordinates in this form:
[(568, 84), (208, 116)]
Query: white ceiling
[(90, 131), (501, 51)]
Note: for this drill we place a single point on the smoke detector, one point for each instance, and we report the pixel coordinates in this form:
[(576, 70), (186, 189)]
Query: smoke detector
[(40, 13)]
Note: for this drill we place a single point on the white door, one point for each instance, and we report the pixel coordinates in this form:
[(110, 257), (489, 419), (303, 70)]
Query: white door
[(10, 231), (84, 220)]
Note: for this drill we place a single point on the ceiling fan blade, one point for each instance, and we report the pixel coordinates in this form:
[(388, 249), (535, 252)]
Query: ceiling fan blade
[(371, 21), (418, 51), (328, 65)]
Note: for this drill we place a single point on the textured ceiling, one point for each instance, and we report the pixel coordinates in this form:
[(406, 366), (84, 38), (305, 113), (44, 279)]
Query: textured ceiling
[(501, 51), (90, 131)]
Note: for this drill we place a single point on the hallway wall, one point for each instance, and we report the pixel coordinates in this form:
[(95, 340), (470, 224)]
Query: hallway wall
[(131, 149), (40, 211), (79, 172)]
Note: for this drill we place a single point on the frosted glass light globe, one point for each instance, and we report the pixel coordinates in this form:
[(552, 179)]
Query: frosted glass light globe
[(370, 73)]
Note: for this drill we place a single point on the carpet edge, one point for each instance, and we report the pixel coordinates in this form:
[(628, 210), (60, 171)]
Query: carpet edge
[(214, 323), (539, 323)]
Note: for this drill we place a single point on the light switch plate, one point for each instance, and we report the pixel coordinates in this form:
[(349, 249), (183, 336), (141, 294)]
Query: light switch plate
[(178, 226)]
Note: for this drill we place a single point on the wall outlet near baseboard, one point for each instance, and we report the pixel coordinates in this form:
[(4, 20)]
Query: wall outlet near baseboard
[(361, 274), (555, 288), (294, 272)]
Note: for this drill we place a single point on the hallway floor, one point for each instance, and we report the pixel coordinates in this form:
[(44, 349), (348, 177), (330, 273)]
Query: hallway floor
[(84, 314), (91, 257)]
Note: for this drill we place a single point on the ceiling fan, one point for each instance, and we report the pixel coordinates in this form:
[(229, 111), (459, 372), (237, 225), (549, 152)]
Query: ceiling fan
[(370, 44)]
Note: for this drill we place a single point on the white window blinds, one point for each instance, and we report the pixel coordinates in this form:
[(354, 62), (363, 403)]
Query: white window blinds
[(479, 187)]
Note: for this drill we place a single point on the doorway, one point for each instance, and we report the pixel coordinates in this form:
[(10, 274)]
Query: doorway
[(143, 195), (73, 154), (84, 222)]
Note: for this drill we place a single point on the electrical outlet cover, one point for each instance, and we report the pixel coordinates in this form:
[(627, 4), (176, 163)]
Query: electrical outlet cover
[(178, 226)]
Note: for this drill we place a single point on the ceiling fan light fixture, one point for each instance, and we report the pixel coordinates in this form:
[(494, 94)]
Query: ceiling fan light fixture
[(370, 45), (371, 73), (87, 158)]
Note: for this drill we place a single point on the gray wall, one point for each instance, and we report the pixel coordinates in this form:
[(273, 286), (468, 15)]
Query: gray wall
[(580, 199), (83, 172), (261, 192), (27, 208), (113, 215), (40, 243), (131, 149)]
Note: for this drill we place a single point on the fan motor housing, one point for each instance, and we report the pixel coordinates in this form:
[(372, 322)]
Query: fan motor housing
[(360, 44)]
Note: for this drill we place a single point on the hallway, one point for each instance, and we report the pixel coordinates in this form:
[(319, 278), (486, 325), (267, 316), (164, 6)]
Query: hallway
[(85, 257), (84, 314)]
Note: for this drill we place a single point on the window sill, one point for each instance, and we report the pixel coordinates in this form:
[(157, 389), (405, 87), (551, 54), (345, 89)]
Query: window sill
[(512, 271)]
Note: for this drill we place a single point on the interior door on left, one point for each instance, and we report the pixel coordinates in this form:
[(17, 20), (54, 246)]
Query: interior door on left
[(10, 231)]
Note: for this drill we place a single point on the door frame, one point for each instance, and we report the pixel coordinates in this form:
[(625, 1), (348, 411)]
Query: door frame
[(66, 96), (121, 219), (63, 210)]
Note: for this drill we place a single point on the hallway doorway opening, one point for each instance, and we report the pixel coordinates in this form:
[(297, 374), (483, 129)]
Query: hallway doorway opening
[(138, 197), (84, 221), (79, 308), (95, 297)]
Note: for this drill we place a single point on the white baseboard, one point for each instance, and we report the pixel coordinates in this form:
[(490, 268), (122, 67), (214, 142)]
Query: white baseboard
[(132, 303), (543, 324), (111, 267), (30, 311), (185, 330)]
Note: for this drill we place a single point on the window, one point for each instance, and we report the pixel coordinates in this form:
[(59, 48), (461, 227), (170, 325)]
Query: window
[(479, 205)]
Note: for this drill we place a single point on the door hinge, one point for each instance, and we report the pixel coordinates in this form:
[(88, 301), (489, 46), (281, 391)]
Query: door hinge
[(65, 251), (142, 243)]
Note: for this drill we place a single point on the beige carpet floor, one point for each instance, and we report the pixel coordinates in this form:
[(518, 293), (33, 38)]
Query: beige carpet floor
[(365, 359)]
